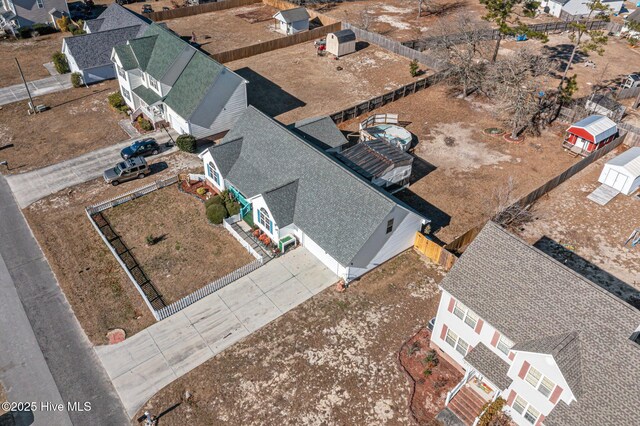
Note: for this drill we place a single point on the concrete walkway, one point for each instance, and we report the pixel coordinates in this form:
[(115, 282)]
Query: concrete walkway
[(145, 363), (44, 354), (31, 186), (17, 92)]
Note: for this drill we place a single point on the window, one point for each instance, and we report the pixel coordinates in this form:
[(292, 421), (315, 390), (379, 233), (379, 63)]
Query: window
[(121, 72), (263, 218), (504, 345), (462, 312), (457, 343), (125, 93), (525, 410), (213, 173), (389, 226), (540, 382), (153, 83), (40, 3)]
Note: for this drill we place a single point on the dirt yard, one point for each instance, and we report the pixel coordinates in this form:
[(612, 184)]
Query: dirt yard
[(189, 252), (228, 29), (100, 294), (32, 53), (295, 83), (331, 360), (458, 169), (586, 236), (80, 120)]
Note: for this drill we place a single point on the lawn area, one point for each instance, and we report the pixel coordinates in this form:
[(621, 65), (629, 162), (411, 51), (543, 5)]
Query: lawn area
[(191, 252), (331, 360), (32, 53), (80, 120), (99, 291)]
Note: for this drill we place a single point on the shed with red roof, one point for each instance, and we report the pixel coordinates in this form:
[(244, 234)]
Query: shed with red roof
[(590, 134)]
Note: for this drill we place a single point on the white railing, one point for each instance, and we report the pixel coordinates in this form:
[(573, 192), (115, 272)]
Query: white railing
[(227, 225), (376, 119), (467, 376), (198, 177), (131, 195), (208, 289)]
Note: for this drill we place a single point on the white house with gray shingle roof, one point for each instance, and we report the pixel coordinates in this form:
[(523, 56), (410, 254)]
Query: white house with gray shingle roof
[(90, 54), (292, 21), (292, 188), (26, 13), (167, 80), (557, 347)]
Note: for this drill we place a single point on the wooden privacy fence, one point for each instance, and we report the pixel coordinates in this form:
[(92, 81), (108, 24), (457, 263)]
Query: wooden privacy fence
[(387, 98), (284, 5), (278, 43), (197, 10), (630, 92), (631, 134), (433, 251)]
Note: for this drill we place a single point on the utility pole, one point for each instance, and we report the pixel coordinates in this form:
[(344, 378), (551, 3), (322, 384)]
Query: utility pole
[(31, 106)]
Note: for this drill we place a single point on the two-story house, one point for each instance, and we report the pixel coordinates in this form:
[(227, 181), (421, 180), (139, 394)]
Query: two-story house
[(295, 191), (25, 13), (168, 81), (558, 348)]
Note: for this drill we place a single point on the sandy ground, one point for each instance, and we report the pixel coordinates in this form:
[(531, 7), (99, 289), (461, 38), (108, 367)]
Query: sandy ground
[(295, 83), (457, 169), (191, 252), (226, 30), (80, 120), (32, 53), (590, 233), (100, 294), (331, 360)]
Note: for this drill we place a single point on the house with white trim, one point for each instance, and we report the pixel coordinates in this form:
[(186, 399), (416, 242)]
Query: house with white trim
[(574, 10), (169, 82), (26, 13), (292, 21), (293, 189), (558, 348)]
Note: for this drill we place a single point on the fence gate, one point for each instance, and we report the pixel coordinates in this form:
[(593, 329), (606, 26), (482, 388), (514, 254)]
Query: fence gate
[(433, 251)]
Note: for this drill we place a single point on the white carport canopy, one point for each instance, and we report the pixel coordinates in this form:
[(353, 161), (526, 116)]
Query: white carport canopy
[(623, 172)]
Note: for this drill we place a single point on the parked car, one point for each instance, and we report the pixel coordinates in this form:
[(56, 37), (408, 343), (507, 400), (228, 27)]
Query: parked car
[(146, 8), (133, 168), (142, 147)]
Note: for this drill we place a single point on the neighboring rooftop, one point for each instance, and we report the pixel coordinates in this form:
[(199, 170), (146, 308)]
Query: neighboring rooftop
[(94, 49), (116, 16), (294, 15), (323, 198), (374, 158), (541, 305), (320, 131)]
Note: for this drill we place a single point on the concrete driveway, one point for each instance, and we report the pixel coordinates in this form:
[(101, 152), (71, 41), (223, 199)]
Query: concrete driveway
[(145, 363), (17, 92), (31, 186)]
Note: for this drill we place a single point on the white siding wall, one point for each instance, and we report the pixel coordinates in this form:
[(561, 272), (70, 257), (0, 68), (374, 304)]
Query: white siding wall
[(177, 123), (554, 8), (126, 83), (94, 75), (206, 159), (229, 114), (258, 203), (323, 256), (73, 66)]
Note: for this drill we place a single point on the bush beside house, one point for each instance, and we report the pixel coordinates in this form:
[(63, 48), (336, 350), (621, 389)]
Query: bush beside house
[(144, 124), (186, 143), (60, 62), (117, 102), (216, 213), (76, 79), (221, 205)]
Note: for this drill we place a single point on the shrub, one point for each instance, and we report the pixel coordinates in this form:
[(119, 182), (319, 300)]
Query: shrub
[(151, 240), (60, 62), (414, 68), (427, 372), (216, 199), (76, 79), (63, 23), (144, 124), (186, 143), (117, 101), (232, 207), (24, 32), (75, 30), (201, 191), (492, 412), (216, 213), (43, 29)]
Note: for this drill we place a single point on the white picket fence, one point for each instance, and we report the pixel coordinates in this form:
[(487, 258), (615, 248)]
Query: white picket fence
[(227, 225), (208, 289), (131, 195)]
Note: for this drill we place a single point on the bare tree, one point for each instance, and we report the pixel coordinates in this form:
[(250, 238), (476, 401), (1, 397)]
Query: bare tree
[(465, 51), (507, 212), (515, 82)]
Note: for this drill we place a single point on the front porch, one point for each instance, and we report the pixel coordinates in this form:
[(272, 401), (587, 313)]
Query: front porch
[(149, 105)]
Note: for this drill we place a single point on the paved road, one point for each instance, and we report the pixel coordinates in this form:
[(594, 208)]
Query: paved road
[(32, 186), (71, 364), (17, 92), (145, 363)]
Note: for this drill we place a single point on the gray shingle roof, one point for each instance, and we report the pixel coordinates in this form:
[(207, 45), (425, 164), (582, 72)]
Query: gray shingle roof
[(294, 15), (539, 303), (344, 36), (94, 49), (282, 202), (490, 365), (320, 131), (94, 24), (334, 207), (116, 16)]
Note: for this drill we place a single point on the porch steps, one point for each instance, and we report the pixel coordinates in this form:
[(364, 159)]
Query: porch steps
[(467, 405), (266, 256)]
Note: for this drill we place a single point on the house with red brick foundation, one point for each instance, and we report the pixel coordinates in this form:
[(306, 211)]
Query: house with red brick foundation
[(521, 326)]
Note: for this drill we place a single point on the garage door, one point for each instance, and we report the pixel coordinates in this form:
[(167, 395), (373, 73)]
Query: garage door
[(620, 182), (611, 178)]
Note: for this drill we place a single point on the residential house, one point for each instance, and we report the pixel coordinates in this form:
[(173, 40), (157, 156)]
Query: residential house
[(573, 10), (170, 82), (631, 20), (292, 21), (557, 347), (90, 54), (292, 189), (25, 13)]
